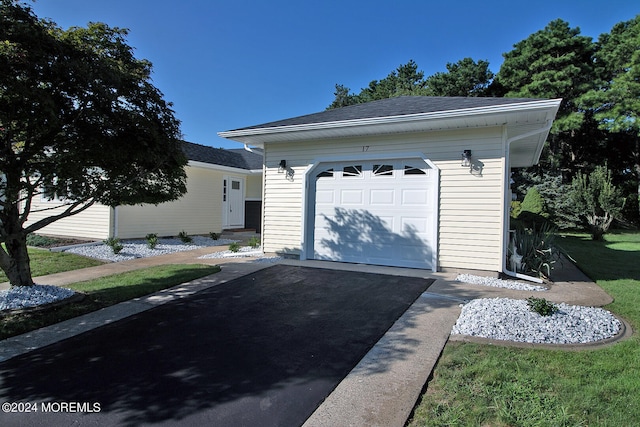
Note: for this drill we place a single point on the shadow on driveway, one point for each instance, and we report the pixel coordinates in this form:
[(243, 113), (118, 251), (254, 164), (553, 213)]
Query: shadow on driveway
[(264, 349)]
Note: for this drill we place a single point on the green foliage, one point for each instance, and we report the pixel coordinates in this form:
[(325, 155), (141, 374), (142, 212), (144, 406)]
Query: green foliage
[(40, 241), (254, 242), (152, 240), (185, 237), (114, 244), (80, 118), (537, 248), (596, 200), (541, 306), (534, 203), (516, 208), (214, 236), (234, 247), (464, 78)]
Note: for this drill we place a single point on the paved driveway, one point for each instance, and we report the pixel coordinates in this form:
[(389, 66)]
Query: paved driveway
[(264, 349)]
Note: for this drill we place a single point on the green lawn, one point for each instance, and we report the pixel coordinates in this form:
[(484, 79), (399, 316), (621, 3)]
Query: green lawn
[(45, 262), (104, 292), (484, 385)]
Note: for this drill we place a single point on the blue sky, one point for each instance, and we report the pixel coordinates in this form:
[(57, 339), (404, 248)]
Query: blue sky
[(236, 63)]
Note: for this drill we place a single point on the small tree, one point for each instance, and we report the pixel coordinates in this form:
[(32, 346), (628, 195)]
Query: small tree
[(534, 203), (596, 200)]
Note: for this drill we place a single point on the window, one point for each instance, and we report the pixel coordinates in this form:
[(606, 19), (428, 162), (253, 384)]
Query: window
[(326, 174), (350, 171), (224, 190), (235, 185), (411, 170), (382, 170)]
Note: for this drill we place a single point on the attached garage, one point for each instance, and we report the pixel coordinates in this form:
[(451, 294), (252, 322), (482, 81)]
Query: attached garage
[(420, 182), (381, 212)]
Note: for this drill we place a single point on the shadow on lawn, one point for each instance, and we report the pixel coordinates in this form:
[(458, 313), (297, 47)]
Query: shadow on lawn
[(613, 259)]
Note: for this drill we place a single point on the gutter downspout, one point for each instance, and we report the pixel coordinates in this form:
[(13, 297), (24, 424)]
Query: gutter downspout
[(115, 222), (506, 233)]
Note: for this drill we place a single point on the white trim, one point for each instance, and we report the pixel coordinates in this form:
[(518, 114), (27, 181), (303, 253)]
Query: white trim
[(438, 115)]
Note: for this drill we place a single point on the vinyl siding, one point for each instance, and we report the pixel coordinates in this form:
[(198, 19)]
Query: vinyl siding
[(199, 211), (470, 207), (93, 223)]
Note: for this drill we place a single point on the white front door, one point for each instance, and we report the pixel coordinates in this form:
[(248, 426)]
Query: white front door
[(376, 212), (234, 198)]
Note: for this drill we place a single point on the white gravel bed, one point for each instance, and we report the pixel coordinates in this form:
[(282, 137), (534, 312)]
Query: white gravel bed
[(498, 283), (30, 296), (138, 248), (245, 251), (512, 320)]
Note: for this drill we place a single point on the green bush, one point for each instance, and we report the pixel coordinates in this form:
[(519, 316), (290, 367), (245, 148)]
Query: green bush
[(114, 244), (214, 236), (596, 200), (254, 242), (516, 208), (152, 240), (541, 306), (534, 203), (536, 246), (185, 237), (234, 247), (40, 241)]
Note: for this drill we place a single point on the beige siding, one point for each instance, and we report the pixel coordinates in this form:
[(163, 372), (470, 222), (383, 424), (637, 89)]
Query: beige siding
[(93, 223), (199, 211), (471, 205), (254, 187)]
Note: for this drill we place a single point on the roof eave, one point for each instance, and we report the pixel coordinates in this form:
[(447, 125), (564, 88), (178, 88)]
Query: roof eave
[(459, 118)]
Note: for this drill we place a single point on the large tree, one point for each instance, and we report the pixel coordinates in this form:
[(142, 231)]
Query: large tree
[(79, 121), (463, 78), (615, 102), (555, 62)]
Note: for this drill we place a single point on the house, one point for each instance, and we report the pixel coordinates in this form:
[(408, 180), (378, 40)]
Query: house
[(417, 182), (224, 191)]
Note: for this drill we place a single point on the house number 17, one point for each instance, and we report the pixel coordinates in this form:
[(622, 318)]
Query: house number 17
[(365, 148)]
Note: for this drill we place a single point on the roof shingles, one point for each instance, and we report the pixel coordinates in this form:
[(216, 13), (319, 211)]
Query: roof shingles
[(234, 158)]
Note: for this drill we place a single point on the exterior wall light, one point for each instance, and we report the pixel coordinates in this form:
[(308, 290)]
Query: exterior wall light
[(282, 166), (466, 159)]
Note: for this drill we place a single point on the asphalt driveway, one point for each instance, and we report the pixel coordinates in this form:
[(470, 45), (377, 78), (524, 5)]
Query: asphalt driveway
[(264, 349)]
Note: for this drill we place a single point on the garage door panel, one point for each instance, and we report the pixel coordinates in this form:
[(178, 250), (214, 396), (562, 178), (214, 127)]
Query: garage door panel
[(351, 197), (384, 197), (383, 219)]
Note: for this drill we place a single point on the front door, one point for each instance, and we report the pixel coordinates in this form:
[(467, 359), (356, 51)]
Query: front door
[(235, 202)]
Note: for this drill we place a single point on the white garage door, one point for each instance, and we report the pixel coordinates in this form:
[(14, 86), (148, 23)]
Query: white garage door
[(376, 212)]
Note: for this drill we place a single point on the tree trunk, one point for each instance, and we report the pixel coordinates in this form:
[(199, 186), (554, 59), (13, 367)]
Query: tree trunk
[(15, 262)]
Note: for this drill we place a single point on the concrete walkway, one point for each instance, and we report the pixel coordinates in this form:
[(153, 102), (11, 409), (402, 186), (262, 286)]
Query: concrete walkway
[(384, 387)]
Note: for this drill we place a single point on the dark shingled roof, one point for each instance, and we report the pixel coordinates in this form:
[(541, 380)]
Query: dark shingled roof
[(234, 158), (399, 106)]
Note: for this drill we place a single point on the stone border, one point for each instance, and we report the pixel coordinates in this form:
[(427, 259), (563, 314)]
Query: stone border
[(626, 332)]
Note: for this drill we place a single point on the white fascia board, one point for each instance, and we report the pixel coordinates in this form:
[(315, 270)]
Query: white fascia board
[(246, 134), (221, 168)]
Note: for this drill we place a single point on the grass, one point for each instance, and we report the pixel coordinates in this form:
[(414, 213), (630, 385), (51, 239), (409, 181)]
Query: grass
[(104, 292), (484, 385), (44, 262)]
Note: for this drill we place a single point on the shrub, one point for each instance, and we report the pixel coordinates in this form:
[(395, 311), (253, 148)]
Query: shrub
[(40, 241), (234, 247), (516, 208), (254, 242), (214, 236), (596, 200), (114, 244), (185, 237), (536, 246), (152, 240), (541, 306), (534, 203)]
